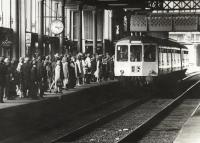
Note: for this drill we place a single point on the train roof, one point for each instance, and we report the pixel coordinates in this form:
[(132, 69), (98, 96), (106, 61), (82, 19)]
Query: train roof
[(150, 39)]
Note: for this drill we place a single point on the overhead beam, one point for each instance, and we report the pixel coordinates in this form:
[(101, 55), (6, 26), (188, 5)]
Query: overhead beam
[(173, 4)]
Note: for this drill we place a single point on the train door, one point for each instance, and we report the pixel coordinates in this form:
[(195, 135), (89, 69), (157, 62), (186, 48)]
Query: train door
[(135, 65), (121, 60), (150, 64)]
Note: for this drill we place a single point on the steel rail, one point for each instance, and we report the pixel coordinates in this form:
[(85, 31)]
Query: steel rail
[(146, 126)]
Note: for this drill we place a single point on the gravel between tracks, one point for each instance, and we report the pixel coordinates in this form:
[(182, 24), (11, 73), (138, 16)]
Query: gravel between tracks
[(116, 129), (167, 130)]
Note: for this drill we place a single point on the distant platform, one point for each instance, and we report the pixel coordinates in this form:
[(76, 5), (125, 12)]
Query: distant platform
[(190, 132), (193, 69)]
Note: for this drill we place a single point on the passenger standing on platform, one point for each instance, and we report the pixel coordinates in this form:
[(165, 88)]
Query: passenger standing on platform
[(26, 72), (98, 71), (48, 68), (65, 71), (33, 81), (93, 67), (72, 72), (8, 78), (79, 69), (41, 75), (105, 67), (111, 68), (2, 78), (13, 79), (58, 76), (20, 77), (84, 68), (88, 69), (53, 66)]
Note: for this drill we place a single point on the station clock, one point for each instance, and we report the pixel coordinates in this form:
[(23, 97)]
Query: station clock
[(57, 27)]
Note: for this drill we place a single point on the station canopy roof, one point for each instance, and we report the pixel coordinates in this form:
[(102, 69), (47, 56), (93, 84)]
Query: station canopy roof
[(191, 5), (110, 4)]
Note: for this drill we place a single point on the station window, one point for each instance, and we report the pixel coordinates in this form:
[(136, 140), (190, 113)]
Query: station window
[(136, 53), (149, 53), (122, 53)]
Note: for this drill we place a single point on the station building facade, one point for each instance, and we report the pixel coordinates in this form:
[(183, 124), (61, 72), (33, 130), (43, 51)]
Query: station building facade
[(25, 28), (20, 24)]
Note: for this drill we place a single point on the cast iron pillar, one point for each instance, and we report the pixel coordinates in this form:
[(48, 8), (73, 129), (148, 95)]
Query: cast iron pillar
[(80, 29), (62, 36), (16, 29), (41, 28), (94, 12)]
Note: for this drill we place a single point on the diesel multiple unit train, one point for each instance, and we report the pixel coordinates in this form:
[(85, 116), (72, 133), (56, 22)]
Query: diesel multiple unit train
[(145, 58)]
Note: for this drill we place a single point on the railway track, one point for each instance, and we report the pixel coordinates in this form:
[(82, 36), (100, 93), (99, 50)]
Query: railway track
[(129, 126), (140, 130)]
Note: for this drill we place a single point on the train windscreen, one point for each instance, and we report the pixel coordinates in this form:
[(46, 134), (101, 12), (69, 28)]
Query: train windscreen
[(122, 53), (149, 53), (136, 53)]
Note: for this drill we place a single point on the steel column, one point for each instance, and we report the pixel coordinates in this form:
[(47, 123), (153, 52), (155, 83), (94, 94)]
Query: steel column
[(16, 29), (62, 36), (94, 13), (41, 28), (80, 29)]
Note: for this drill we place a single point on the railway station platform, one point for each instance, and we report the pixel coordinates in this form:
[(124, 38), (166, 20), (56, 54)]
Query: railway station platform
[(190, 132), (20, 116)]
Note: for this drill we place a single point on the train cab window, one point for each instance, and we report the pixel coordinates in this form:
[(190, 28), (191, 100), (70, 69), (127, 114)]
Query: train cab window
[(149, 53), (136, 53), (122, 53)]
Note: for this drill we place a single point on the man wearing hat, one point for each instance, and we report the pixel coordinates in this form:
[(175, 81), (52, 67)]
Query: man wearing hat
[(2, 78)]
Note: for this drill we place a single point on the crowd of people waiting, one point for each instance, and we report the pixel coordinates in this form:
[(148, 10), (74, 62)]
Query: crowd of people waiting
[(32, 77)]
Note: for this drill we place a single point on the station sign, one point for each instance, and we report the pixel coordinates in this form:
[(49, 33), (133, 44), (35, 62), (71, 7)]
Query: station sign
[(28, 39)]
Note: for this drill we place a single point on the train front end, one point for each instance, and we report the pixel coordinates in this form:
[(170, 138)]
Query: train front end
[(135, 59)]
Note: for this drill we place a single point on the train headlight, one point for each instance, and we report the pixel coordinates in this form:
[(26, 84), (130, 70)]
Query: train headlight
[(133, 68), (122, 72)]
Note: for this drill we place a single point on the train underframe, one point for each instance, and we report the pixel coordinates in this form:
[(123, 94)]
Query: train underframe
[(161, 81)]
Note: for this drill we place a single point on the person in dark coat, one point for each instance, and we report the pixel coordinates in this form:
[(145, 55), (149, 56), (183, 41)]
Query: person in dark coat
[(3, 72), (111, 68), (72, 73), (34, 84), (13, 79), (26, 72), (93, 67), (41, 75), (8, 78)]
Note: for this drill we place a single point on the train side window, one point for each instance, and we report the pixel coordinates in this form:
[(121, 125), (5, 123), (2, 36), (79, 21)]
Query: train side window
[(122, 53), (136, 53), (149, 53)]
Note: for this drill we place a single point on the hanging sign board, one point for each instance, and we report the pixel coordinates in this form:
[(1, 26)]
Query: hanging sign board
[(28, 39)]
